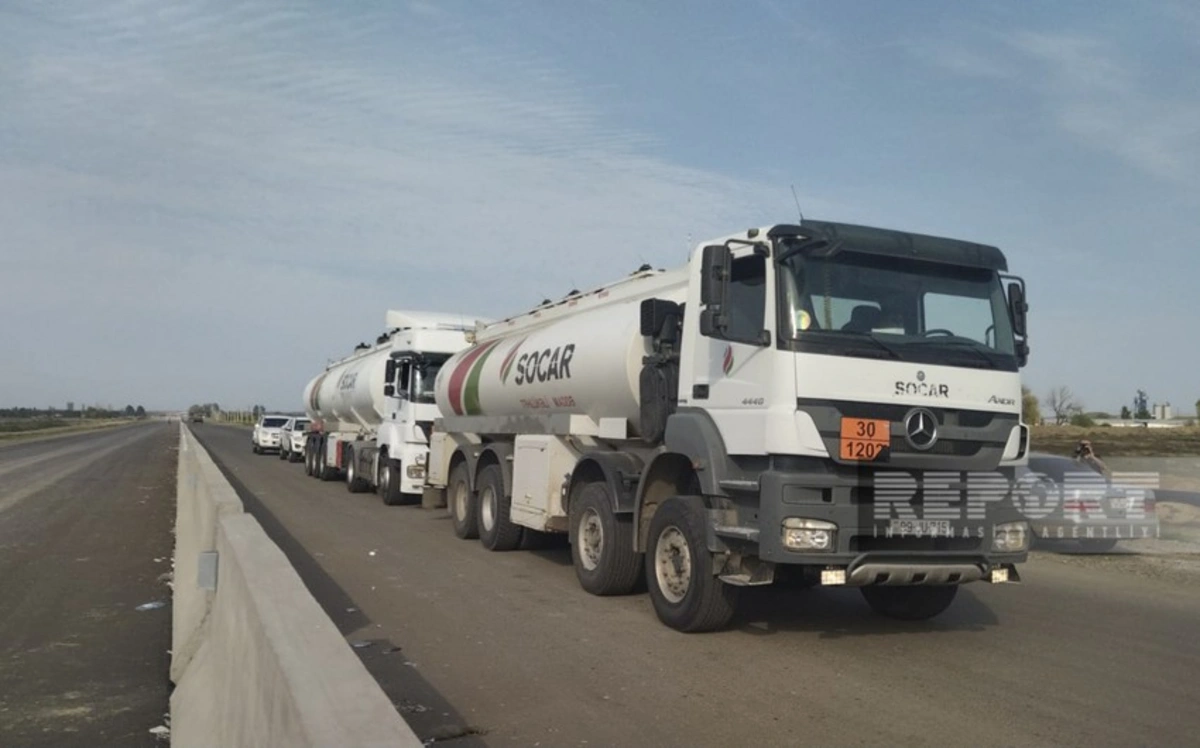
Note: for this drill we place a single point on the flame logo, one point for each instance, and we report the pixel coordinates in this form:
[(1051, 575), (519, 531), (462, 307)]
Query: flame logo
[(727, 360)]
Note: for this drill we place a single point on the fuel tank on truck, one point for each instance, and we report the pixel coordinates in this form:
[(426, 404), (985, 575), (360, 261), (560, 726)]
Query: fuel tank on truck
[(348, 395), (580, 356)]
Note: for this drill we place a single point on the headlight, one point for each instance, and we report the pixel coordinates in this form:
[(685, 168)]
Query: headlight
[(801, 534), (1011, 537), (415, 471)]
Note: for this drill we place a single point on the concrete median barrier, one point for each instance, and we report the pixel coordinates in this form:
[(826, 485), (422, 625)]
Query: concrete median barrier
[(255, 660)]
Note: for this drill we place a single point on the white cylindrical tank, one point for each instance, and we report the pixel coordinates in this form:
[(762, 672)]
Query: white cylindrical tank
[(580, 356), (349, 393)]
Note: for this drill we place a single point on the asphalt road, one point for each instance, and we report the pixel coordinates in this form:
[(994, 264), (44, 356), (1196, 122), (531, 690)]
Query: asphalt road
[(85, 537), (1098, 651)]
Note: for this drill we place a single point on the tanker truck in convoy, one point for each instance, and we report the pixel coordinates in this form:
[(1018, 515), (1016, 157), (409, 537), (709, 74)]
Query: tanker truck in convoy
[(371, 412), (822, 403)]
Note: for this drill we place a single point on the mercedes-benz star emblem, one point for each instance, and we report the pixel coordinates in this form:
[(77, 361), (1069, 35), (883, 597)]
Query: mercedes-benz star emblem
[(920, 429)]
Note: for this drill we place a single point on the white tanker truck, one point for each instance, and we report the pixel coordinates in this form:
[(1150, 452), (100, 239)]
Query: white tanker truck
[(826, 403), (371, 411)]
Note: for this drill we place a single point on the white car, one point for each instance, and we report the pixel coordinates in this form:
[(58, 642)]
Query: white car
[(268, 433), (291, 445)]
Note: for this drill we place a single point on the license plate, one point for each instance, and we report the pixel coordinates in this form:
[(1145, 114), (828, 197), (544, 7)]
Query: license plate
[(919, 527), (864, 439)]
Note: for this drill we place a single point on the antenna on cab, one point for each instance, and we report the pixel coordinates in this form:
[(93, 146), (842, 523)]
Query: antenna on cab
[(797, 199)]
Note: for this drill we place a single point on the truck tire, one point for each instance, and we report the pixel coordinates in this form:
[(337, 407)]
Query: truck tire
[(602, 544), (496, 529), (684, 587), (462, 503), (354, 482), (389, 481), (310, 461), (909, 603), (324, 472)]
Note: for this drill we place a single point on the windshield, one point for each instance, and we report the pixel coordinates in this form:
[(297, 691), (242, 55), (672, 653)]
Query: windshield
[(300, 425), (858, 304), (274, 423), (426, 378)]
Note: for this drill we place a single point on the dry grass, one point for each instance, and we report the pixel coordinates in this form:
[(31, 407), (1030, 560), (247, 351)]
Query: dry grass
[(37, 430), (1112, 441)]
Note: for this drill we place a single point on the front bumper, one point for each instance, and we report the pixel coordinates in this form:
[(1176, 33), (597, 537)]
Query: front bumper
[(865, 550)]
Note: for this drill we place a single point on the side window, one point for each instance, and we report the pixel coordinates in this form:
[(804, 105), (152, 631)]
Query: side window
[(747, 297), (402, 380)]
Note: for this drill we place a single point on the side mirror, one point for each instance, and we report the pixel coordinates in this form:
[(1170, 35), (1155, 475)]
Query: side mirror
[(389, 372), (716, 266), (389, 390), (1017, 307), (715, 271)]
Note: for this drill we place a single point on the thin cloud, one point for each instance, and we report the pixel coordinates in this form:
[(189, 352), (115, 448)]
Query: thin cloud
[(180, 171)]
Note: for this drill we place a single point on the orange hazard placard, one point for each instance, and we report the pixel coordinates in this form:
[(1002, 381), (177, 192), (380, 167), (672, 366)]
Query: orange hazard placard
[(864, 439)]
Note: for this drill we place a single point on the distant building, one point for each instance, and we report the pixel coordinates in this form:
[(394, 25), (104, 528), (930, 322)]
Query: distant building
[(1162, 412)]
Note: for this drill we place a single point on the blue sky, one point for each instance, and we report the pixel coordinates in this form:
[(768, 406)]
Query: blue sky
[(207, 200)]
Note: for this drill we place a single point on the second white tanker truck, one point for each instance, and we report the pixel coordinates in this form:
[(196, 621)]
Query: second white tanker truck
[(372, 411), (834, 404)]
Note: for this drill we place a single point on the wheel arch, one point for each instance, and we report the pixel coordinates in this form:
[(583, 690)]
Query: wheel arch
[(668, 474)]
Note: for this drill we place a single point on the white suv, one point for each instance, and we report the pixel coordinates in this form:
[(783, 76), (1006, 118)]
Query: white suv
[(268, 433), (291, 445)]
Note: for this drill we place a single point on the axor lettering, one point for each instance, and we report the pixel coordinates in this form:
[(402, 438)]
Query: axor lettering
[(545, 365)]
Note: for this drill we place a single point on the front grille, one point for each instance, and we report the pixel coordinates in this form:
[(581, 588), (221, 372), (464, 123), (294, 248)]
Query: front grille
[(975, 419), (941, 447)]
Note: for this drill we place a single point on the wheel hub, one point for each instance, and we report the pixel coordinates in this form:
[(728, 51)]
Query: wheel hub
[(591, 539), (487, 508), (673, 564)]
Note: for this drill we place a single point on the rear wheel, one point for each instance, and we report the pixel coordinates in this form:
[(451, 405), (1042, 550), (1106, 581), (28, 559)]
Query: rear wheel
[(684, 588), (324, 471), (602, 544), (389, 481), (909, 603), (463, 504), (354, 482), (496, 529)]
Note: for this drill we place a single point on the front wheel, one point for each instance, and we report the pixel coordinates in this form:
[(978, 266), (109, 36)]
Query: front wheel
[(909, 603), (389, 481), (602, 544), (683, 584), (496, 529), (282, 455)]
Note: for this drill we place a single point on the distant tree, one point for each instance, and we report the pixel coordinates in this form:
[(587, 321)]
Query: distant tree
[(1062, 403), (1141, 405), (1031, 411), (1198, 408), (140, 412), (1125, 412), (129, 411), (1082, 419)]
